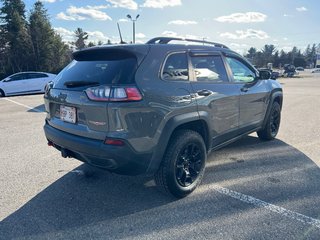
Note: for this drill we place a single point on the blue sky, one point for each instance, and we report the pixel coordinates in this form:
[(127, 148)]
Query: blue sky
[(239, 24)]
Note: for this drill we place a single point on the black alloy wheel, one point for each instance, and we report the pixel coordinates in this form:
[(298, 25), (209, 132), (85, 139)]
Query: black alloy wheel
[(275, 121), (272, 124), (183, 166), (188, 165)]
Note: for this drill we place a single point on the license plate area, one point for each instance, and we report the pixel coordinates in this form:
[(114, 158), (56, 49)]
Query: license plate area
[(68, 114)]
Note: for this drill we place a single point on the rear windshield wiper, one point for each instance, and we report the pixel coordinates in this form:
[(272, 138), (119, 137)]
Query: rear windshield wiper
[(72, 84)]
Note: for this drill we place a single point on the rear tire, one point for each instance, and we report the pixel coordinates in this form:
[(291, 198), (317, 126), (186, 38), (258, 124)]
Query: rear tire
[(271, 128), (183, 166)]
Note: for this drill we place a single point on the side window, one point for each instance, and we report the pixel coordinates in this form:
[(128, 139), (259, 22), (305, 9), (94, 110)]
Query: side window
[(17, 77), (36, 75), (176, 67), (209, 69), (241, 73)]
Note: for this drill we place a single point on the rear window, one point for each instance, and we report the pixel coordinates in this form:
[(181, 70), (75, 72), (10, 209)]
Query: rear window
[(101, 72)]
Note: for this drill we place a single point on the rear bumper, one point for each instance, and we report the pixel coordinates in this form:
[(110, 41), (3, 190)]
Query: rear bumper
[(119, 159)]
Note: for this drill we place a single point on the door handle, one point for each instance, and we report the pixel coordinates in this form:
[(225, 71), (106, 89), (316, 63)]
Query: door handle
[(244, 89), (204, 92)]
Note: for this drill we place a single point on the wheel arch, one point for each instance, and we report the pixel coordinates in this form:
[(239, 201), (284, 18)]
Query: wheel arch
[(1, 91), (188, 121), (276, 96)]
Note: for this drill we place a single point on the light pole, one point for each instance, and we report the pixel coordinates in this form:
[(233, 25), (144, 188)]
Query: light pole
[(133, 26)]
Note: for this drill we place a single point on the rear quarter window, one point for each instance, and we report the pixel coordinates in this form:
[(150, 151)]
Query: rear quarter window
[(176, 67)]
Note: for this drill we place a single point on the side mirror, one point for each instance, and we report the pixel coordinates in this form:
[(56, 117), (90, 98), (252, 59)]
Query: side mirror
[(264, 74)]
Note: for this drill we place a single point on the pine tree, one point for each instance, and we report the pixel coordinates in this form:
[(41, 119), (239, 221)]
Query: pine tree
[(15, 35), (50, 53), (42, 36), (81, 36)]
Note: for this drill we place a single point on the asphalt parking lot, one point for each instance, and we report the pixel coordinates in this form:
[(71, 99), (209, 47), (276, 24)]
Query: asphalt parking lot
[(251, 189)]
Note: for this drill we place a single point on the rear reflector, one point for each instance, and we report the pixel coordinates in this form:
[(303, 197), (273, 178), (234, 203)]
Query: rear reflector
[(114, 142), (113, 94)]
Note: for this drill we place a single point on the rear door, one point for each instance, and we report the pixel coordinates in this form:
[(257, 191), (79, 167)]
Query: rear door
[(36, 81), (254, 93), (216, 96)]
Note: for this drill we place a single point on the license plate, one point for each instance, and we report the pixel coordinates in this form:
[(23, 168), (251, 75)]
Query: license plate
[(68, 114)]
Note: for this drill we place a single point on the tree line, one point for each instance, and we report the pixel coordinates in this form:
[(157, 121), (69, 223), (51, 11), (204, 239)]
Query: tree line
[(31, 44), (269, 54)]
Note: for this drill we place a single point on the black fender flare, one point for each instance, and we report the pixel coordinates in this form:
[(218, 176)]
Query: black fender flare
[(274, 94), (171, 125)]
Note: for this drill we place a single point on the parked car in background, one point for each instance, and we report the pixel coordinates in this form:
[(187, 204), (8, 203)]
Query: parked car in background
[(25, 83), (317, 70), (300, 69)]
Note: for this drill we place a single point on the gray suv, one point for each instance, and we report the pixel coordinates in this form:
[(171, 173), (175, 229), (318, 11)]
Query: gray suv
[(158, 108)]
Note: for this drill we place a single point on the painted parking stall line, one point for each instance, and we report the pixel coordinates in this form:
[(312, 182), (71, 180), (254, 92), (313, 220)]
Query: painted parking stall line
[(271, 207), (23, 105)]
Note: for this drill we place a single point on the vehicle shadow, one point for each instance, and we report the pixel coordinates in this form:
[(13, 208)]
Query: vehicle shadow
[(38, 109), (75, 202)]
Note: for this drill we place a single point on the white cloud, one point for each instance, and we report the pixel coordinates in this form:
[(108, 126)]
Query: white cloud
[(97, 36), (174, 34), (237, 45), (140, 35), (65, 34), (82, 13), (161, 3), (287, 15), (301, 9), (69, 36), (123, 20), (170, 34), (248, 17), (128, 4), (182, 22), (249, 33)]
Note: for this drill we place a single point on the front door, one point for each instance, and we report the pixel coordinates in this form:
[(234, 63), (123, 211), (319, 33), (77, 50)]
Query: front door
[(253, 96)]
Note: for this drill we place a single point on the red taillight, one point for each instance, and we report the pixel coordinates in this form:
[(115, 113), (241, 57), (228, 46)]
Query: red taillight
[(114, 142), (133, 94), (113, 94)]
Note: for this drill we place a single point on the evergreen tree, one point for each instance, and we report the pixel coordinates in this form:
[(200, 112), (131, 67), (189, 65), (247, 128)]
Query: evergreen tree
[(16, 36), (81, 36), (42, 36)]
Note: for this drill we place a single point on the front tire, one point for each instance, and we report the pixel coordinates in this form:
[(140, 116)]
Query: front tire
[(271, 128), (183, 166), (2, 93)]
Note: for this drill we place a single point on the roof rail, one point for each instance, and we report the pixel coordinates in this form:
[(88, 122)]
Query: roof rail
[(166, 40)]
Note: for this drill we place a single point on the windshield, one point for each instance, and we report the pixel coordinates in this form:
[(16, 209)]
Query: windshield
[(106, 72)]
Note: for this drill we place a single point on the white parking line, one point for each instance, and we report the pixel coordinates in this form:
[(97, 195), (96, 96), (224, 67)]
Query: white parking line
[(23, 105), (273, 208)]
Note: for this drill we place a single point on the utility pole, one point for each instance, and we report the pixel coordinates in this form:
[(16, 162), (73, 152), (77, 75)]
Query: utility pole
[(133, 27)]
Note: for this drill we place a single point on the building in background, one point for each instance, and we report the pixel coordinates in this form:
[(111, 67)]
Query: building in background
[(318, 60)]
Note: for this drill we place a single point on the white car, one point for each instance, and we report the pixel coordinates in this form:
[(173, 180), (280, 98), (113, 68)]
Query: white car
[(317, 70), (25, 83)]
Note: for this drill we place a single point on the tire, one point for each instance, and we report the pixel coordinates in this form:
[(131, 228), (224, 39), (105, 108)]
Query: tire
[(183, 166), (2, 93), (272, 125)]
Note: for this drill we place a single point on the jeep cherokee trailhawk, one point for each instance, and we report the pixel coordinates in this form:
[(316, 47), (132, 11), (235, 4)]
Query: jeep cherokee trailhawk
[(158, 108)]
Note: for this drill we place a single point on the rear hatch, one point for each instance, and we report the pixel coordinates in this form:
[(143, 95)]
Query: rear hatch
[(78, 101)]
